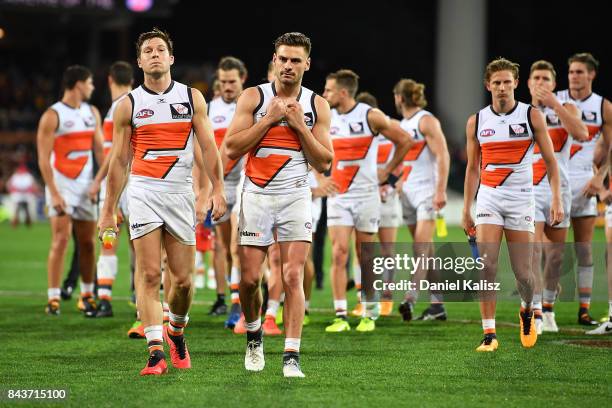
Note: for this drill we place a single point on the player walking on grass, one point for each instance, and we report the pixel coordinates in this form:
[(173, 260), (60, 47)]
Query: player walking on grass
[(68, 132), (157, 121), (283, 127), (500, 142)]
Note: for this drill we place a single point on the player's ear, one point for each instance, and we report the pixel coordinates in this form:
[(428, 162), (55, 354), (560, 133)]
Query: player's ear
[(274, 58), (488, 86), (307, 64), (138, 61), (172, 60)]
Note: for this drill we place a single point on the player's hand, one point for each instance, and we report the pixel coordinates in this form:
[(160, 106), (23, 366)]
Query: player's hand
[(217, 204), (605, 196), (327, 186), (120, 216), (200, 208), (383, 175), (556, 212), (105, 222), (93, 191), (295, 115), (58, 204), (467, 222), (593, 187), (439, 200), (546, 97), (276, 110)]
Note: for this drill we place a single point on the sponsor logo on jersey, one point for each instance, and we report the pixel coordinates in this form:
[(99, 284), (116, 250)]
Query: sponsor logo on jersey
[(181, 110), (483, 215), (144, 113), (250, 234), (308, 119), (355, 127), (219, 119), (161, 100), (89, 121), (518, 130), (69, 124), (589, 116), (487, 132), (137, 225), (552, 119)]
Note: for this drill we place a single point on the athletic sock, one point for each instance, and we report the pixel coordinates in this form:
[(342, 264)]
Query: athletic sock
[(107, 271), (525, 306), (610, 309), (272, 309), (585, 285), (254, 331), (307, 305), (548, 300), (166, 310), (235, 285), (155, 340), (488, 326), (340, 307), (221, 297), (176, 324), (292, 345), (54, 294), (87, 289), (537, 304)]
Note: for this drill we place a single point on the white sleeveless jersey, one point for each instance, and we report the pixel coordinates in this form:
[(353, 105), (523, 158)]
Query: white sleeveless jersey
[(221, 114), (162, 138), (107, 125), (506, 148), (561, 146), (354, 168), (419, 162), (581, 154), (277, 164), (386, 149), (71, 158)]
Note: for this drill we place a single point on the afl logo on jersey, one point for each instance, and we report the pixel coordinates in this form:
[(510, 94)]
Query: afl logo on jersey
[(588, 116), (518, 130), (219, 119), (334, 130), (180, 110), (356, 127), (69, 124), (487, 132), (144, 113)]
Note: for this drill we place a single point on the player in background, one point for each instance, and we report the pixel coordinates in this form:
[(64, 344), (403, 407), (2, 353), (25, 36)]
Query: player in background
[(356, 206), (423, 185), (22, 188), (120, 80), (68, 132), (500, 142), (283, 127), (231, 74), (563, 123), (158, 122), (585, 182)]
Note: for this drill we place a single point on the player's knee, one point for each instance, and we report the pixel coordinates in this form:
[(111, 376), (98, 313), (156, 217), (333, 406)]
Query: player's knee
[(249, 281), (182, 283), (151, 277), (87, 245), (340, 254), (60, 242), (292, 278)]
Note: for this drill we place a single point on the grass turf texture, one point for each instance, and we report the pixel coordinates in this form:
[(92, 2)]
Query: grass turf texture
[(420, 363)]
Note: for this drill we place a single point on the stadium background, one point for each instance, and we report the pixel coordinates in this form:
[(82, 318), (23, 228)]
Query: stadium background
[(444, 44)]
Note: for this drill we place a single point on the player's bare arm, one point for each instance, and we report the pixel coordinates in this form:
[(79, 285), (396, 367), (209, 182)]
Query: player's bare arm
[(45, 139), (316, 144), (202, 184), (544, 142), (380, 123), (431, 129), (472, 174), (210, 155), (568, 113), (601, 154), (243, 134), (118, 164)]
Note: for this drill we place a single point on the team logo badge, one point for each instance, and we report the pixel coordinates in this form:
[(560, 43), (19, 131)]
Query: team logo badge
[(518, 130), (180, 110), (308, 225), (218, 119), (589, 116), (487, 132), (308, 119), (90, 121), (144, 113), (413, 133), (69, 124), (356, 127)]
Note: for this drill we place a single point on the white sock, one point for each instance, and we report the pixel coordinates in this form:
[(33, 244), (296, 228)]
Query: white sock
[(87, 288), (153, 333), (54, 294), (307, 305), (526, 305), (537, 301), (436, 297), (107, 271), (253, 326), (488, 324), (177, 323), (357, 275), (292, 344), (273, 306), (610, 309), (549, 296), (340, 306), (199, 262), (585, 284)]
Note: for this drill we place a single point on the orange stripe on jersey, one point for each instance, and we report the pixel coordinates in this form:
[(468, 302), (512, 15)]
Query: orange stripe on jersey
[(593, 130), (261, 170), (107, 130), (558, 136), (347, 149), (384, 151), (406, 172), (415, 151), (69, 143), (344, 177), (506, 152), (539, 171), (156, 137), (219, 135), (575, 149), (281, 136)]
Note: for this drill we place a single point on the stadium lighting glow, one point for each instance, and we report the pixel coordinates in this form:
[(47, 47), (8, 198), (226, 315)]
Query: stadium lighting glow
[(139, 6), (1, 33)]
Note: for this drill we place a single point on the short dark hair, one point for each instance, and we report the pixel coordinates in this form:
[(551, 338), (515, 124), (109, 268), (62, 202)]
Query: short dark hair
[(122, 73), (347, 79), (228, 63), (154, 33), (586, 58), (294, 40), (74, 74), (367, 98), (543, 65), (501, 64)]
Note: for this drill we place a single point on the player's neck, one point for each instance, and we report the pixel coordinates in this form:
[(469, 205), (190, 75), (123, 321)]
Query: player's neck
[(118, 91), (158, 85), (408, 112), (346, 105), (580, 93), (286, 90), (505, 106), (72, 99)]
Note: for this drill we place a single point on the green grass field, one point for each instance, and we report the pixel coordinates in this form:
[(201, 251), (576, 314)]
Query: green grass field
[(417, 364)]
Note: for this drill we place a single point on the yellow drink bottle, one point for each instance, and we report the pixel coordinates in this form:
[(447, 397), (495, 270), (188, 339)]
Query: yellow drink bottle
[(441, 230), (109, 237)]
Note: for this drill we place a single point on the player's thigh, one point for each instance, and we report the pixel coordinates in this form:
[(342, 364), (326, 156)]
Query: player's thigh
[(224, 234), (251, 259), (387, 235), (340, 237), (583, 228), (424, 230), (148, 254), (181, 257), (61, 229)]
